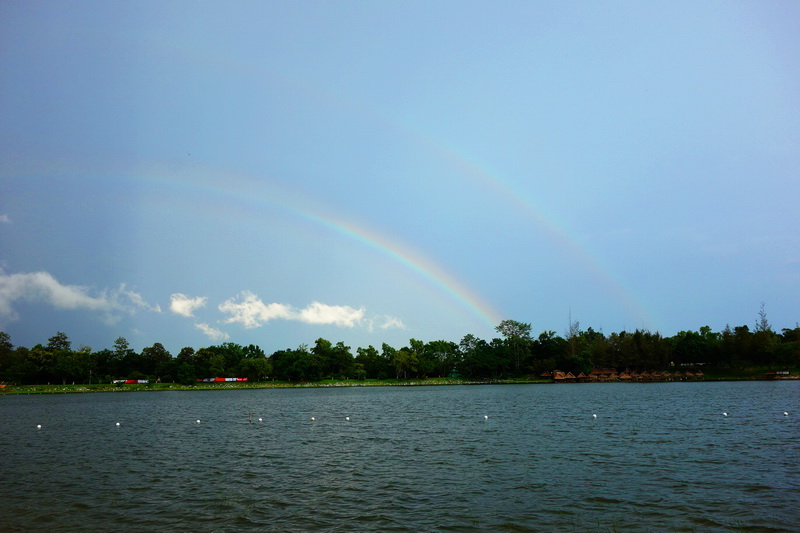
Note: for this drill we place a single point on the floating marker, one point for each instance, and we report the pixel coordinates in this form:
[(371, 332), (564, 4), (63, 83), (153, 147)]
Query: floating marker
[(724, 414), (347, 418), (594, 416), (197, 421), (38, 426), (785, 413), (117, 424), (260, 419), (312, 418), (486, 417)]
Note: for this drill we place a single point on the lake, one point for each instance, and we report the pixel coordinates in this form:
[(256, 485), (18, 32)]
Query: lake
[(658, 457)]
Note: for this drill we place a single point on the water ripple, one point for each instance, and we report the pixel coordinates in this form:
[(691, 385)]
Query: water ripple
[(659, 457)]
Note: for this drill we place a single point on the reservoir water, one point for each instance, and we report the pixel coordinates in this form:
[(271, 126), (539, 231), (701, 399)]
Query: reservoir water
[(658, 457)]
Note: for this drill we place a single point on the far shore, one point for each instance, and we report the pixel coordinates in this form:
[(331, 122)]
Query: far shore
[(424, 382)]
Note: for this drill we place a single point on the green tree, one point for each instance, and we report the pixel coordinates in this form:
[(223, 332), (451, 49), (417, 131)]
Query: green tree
[(124, 359), (255, 368), (59, 342), (209, 362), (308, 366), (404, 362), (6, 355), (21, 369), (61, 363), (186, 355), (388, 355), (551, 348), (251, 351), (788, 352), (425, 363), (762, 324), (336, 361), (233, 354), (444, 355), (375, 366), (343, 361), (283, 363), (518, 338), (153, 359), (479, 359)]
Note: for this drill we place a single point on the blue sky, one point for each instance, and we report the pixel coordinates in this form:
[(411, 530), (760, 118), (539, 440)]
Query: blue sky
[(273, 172)]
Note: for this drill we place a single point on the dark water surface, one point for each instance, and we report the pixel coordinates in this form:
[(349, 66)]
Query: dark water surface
[(658, 457)]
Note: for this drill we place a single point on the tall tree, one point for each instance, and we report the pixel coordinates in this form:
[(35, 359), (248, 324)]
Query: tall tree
[(124, 359), (762, 324), (371, 361), (518, 338), (153, 359), (59, 342)]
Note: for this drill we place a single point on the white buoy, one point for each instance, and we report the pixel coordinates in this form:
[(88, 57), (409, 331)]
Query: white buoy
[(260, 419), (724, 414), (312, 418), (785, 413), (486, 417), (347, 418), (197, 421), (38, 426), (117, 424), (594, 416)]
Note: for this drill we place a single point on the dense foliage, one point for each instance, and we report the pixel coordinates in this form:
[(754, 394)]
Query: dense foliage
[(515, 353)]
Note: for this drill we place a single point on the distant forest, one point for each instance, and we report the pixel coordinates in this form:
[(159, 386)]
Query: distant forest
[(515, 353)]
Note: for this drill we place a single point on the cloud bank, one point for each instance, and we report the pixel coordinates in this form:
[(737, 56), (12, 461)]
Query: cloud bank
[(43, 287), (246, 308), (5, 219)]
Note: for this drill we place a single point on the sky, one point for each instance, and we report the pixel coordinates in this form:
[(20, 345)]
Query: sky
[(196, 172)]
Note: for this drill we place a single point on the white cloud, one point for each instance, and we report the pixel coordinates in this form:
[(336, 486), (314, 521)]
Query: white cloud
[(340, 315), (183, 305), (137, 299), (43, 287), (252, 312), (390, 322), (5, 218), (213, 333)]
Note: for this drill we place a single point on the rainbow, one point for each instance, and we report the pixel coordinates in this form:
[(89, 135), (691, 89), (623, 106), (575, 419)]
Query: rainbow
[(492, 181), (240, 191), (418, 263)]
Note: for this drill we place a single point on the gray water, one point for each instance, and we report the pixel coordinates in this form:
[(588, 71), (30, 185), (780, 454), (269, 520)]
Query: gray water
[(658, 457)]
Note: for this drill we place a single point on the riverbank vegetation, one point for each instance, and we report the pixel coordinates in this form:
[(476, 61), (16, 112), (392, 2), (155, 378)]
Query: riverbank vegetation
[(514, 356)]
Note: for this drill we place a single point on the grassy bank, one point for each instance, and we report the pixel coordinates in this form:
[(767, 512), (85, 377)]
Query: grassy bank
[(709, 375), (140, 387)]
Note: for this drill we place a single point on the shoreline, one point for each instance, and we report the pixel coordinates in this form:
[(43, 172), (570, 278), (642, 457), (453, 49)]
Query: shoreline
[(428, 382)]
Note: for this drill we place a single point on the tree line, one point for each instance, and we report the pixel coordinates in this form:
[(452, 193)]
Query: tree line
[(515, 353)]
